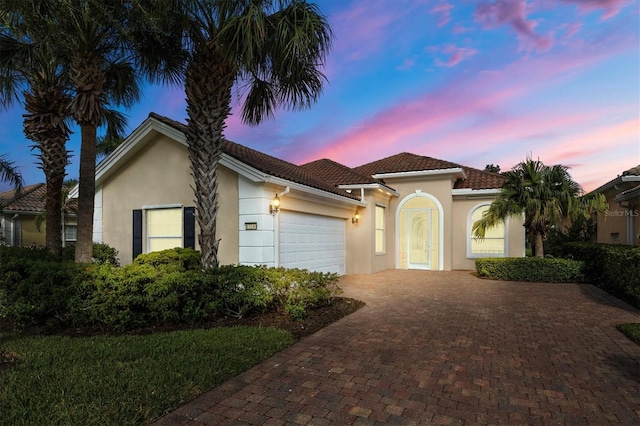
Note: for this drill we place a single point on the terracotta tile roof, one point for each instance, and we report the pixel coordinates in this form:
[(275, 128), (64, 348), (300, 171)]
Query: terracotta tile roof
[(630, 190), (407, 162), (267, 164), (32, 199), (336, 173), (29, 199), (634, 171)]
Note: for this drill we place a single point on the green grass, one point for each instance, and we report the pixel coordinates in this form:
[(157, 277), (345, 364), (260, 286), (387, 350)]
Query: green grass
[(122, 380), (632, 331)]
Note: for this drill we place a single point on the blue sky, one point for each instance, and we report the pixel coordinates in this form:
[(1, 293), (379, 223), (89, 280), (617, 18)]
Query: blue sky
[(473, 82)]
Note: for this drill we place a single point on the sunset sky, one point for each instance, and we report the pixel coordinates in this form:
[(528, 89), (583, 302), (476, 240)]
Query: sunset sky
[(473, 82)]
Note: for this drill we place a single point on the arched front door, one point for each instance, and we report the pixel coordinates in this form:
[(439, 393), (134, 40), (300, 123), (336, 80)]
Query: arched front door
[(419, 219)]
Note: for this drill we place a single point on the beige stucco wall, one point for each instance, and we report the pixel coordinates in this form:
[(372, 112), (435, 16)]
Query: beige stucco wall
[(159, 174), (616, 221)]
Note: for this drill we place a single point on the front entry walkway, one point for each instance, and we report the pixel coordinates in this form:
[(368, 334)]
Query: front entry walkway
[(445, 348)]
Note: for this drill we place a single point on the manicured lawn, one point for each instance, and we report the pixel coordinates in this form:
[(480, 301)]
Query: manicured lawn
[(122, 380), (632, 331)]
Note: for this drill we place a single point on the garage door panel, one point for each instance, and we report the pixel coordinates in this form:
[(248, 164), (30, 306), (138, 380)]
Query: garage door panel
[(312, 242)]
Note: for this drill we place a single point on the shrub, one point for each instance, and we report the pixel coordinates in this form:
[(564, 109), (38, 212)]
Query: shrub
[(530, 269), (40, 291), (295, 290), (163, 287), (615, 268), (176, 259), (9, 253), (101, 254)]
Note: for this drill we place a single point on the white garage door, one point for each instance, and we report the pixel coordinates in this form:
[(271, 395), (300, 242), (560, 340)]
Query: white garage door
[(312, 242)]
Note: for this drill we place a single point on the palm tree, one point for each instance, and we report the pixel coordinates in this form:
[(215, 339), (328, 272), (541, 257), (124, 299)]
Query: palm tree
[(8, 172), (29, 66), (272, 49), (545, 195), (109, 46)]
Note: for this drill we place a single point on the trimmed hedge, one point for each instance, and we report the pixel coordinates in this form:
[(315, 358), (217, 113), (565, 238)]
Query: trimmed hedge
[(615, 268), (549, 270)]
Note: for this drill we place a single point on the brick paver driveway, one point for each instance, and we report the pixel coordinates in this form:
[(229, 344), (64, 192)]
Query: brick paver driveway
[(445, 348)]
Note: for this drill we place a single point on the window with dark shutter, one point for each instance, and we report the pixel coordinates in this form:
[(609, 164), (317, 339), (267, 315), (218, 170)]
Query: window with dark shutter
[(189, 224), (137, 233)]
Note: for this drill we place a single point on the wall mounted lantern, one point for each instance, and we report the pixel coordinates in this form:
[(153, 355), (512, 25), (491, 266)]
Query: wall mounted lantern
[(356, 217), (274, 207)]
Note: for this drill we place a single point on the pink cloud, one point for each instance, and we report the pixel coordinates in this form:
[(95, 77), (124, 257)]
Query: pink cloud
[(513, 13), (456, 55), (449, 122), (443, 12), (459, 29), (610, 7)]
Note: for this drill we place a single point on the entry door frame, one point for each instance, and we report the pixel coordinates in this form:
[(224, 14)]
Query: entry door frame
[(419, 193)]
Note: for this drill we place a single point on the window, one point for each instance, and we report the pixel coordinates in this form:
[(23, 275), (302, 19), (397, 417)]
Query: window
[(493, 244), (379, 230), (164, 229), (70, 233), (615, 237)]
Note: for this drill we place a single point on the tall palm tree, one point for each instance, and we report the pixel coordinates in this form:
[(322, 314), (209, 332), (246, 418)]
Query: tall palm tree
[(28, 66), (109, 45), (270, 48), (9, 173), (545, 195)]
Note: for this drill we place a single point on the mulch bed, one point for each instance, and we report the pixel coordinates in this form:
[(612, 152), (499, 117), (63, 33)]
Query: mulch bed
[(316, 319)]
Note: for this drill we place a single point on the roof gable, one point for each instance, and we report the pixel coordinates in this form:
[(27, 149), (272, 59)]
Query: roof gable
[(407, 162), (267, 164)]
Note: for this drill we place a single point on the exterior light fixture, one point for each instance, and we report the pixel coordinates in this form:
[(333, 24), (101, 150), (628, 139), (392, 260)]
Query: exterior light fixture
[(274, 207), (356, 217)]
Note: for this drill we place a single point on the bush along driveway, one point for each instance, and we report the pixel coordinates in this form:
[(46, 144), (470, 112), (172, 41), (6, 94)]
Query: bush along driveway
[(446, 348)]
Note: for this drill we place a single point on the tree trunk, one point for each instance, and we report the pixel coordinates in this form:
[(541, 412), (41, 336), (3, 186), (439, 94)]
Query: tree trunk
[(208, 89), (539, 247), (44, 124), (86, 194)]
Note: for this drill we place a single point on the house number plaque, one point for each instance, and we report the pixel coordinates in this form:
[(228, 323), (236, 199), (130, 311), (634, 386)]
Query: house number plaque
[(251, 226)]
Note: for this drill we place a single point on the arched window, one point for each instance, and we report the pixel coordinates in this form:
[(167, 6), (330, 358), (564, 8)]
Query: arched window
[(494, 243)]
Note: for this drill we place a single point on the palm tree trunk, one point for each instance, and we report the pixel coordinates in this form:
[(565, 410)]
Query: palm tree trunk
[(208, 89), (86, 193), (44, 124), (539, 247)]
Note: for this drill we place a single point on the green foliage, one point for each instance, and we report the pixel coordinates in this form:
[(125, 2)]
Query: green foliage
[(163, 287), (582, 229), (530, 269), (34, 291), (177, 259), (631, 330), (295, 290), (545, 196), (123, 380), (101, 254), (615, 268)]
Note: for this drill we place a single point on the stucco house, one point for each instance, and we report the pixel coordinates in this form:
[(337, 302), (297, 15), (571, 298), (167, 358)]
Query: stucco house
[(620, 224), (405, 211), (18, 213)]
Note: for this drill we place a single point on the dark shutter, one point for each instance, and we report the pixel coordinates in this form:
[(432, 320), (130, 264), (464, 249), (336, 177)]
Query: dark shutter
[(189, 227), (137, 233)]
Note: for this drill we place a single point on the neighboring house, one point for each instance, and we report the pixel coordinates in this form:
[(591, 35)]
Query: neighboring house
[(621, 223), (18, 218), (406, 211)]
